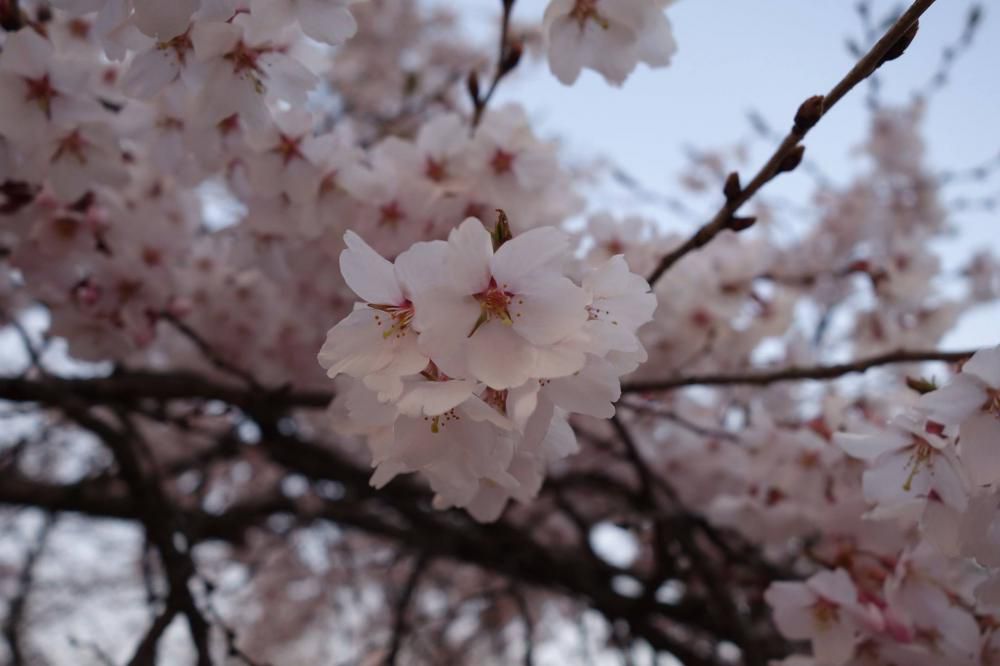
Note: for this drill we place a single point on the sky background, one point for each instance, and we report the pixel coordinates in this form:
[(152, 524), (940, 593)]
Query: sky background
[(739, 56)]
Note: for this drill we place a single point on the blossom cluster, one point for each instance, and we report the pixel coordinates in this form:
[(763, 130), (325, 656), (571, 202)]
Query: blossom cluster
[(930, 480), (469, 355)]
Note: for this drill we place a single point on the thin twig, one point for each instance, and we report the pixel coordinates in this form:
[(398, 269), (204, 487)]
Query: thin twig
[(509, 54), (400, 624)]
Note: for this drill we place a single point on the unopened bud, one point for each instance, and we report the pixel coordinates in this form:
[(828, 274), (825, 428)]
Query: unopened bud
[(921, 385), (809, 113), (792, 160), (741, 223), (501, 233), (904, 41), (512, 56), (472, 85), (732, 188)]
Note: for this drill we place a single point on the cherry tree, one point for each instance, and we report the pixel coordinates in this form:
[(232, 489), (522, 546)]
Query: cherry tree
[(316, 353)]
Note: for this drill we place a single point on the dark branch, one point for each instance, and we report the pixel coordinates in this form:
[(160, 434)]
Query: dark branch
[(819, 372)]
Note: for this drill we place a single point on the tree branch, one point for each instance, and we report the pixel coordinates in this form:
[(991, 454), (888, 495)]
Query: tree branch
[(783, 159), (796, 373)]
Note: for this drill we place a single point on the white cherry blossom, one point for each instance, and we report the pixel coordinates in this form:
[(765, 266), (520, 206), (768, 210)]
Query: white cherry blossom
[(609, 36)]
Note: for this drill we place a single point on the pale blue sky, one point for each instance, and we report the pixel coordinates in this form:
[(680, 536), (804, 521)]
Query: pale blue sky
[(735, 56)]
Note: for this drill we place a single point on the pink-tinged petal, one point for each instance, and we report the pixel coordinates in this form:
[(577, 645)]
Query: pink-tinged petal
[(422, 441), (326, 21), (978, 530), (549, 311), (499, 357), (214, 40), (444, 321), (870, 446), (489, 502), (560, 440), (564, 61), (979, 446), (519, 259), (558, 360), (164, 20), (406, 360), (275, 14), (470, 248), (26, 53), (791, 603), (522, 402), (591, 391), (426, 398), (656, 44), (836, 586), (940, 526), (356, 346), (833, 645), (151, 72), (475, 410), (421, 268), (386, 472), (953, 403), (368, 274), (985, 364), (892, 480)]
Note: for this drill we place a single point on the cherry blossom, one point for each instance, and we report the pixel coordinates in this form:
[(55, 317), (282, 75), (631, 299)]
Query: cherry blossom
[(824, 610), (971, 401), (609, 37), (499, 316)]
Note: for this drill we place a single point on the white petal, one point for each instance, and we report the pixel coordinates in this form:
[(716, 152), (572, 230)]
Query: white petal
[(869, 446), (519, 258), (985, 364), (432, 398), (953, 403), (549, 310), (470, 248), (164, 20), (979, 447), (326, 21), (26, 53), (499, 357), (368, 274)]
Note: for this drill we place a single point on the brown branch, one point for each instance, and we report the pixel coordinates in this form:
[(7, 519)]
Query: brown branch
[(784, 157), (793, 374)]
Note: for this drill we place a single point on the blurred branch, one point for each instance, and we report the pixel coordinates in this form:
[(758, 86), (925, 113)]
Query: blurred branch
[(763, 378), (16, 607), (399, 624), (207, 351)]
